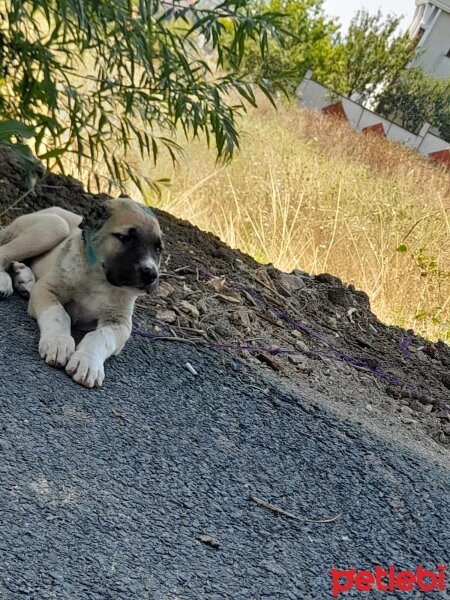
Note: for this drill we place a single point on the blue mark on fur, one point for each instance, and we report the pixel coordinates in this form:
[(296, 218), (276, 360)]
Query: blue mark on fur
[(91, 255), (128, 203), (148, 210)]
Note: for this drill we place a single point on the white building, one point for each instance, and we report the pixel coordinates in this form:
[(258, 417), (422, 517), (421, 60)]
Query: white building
[(431, 26)]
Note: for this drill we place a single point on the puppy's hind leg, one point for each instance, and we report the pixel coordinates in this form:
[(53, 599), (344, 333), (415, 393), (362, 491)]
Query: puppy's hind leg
[(23, 278), (26, 237)]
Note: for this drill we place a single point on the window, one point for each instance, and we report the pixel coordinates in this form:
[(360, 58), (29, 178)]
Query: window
[(419, 35)]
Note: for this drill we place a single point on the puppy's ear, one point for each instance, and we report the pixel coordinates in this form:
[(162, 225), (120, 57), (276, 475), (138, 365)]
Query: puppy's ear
[(96, 216)]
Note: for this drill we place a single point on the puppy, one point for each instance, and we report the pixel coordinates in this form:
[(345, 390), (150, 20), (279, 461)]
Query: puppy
[(82, 272)]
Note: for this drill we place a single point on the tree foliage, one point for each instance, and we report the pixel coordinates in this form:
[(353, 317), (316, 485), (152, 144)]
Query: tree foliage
[(306, 42), (416, 98), (98, 79), (371, 54)]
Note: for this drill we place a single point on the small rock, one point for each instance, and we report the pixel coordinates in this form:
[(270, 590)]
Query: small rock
[(292, 283), (333, 322), (165, 289), (302, 274), (350, 313), (338, 296), (427, 408), (189, 308), (416, 405), (202, 306), (240, 317), (327, 278), (166, 316), (217, 283), (442, 438), (209, 541), (297, 359), (431, 350), (300, 345), (443, 414)]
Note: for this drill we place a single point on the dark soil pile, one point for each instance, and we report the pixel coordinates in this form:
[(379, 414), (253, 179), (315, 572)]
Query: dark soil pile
[(314, 333)]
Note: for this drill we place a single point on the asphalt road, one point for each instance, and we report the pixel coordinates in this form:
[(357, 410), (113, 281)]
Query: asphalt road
[(104, 493)]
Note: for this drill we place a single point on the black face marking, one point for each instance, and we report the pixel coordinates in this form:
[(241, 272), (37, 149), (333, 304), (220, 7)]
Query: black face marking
[(126, 237), (136, 262)]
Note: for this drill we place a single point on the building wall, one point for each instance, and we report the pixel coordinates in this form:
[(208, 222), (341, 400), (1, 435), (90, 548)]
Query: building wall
[(431, 23), (311, 94)]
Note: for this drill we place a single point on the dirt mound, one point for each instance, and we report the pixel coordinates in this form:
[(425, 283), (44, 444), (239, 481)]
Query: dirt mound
[(313, 333)]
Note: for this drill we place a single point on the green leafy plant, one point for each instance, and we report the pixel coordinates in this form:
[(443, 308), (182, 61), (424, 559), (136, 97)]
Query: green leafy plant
[(12, 134), (96, 80), (306, 42), (372, 54), (416, 98)]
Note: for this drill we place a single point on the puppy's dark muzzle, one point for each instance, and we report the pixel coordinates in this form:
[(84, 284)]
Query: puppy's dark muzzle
[(149, 278)]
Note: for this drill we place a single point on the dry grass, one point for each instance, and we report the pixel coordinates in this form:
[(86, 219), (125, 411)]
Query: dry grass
[(307, 192)]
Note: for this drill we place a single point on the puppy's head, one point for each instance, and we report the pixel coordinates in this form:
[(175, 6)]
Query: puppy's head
[(124, 238)]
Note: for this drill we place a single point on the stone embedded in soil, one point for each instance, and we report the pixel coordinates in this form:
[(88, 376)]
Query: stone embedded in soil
[(297, 359), (165, 289), (241, 317), (300, 345), (340, 297), (328, 279), (443, 414), (296, 333), (333, 323), (202, 306), (166, 316), (189, 308), (209, 541), (293, 283)]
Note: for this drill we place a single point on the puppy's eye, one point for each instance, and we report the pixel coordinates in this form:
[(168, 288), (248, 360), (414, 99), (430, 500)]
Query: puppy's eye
[(123, 237), (158, 248)]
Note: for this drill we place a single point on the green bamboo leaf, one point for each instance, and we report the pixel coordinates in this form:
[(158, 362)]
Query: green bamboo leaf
[(14, 128)]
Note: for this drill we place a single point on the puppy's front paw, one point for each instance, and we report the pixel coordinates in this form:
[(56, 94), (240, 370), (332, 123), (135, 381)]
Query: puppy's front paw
[(6, 288), (57, 350), (85, 369)]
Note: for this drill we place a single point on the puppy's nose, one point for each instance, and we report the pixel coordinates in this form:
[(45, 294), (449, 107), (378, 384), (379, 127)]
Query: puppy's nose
[(148, 274)]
